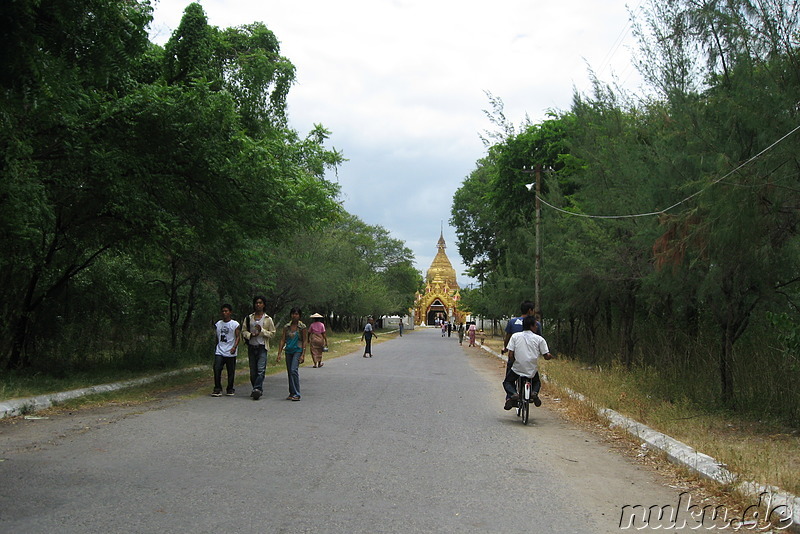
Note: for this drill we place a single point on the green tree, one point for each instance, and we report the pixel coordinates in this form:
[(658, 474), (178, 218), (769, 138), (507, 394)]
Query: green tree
[(116, 149), (732, 104)]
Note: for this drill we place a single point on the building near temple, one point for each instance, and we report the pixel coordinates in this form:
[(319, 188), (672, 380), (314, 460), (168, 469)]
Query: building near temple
[(441, 297)]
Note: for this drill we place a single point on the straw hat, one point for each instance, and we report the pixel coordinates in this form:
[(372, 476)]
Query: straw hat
[(315, 315)]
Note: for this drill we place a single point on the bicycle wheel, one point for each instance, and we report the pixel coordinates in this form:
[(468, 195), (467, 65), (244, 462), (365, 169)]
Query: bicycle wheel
[(524, 401), (519, 393)]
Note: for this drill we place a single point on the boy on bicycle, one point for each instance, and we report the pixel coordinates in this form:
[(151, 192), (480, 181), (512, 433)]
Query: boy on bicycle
[(524, 350)]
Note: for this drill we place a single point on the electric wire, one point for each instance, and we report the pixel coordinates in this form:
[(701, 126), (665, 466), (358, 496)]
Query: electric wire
[(663, 211)]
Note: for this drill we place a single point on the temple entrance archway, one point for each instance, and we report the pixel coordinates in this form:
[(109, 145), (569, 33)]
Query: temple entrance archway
[(436, 309), (440, 298)]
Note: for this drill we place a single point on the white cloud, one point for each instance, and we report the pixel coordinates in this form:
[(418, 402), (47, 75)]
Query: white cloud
[(400, 83)]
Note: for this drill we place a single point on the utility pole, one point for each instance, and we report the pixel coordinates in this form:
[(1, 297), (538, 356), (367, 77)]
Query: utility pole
[(538, 239), (536, 186)]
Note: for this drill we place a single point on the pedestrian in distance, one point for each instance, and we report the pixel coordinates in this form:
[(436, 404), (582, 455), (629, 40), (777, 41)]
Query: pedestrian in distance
[(400, 326), (227, 332), (460, 333), (471, 334), (258, 331), (449, 328), (367, 334), (317, 339), (524, 350), (294, 337)]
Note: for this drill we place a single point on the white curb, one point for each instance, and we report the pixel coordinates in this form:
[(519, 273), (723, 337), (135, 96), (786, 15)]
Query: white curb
[(14, 407)]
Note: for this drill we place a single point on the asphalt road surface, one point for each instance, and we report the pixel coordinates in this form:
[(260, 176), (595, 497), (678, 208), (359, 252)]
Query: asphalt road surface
[(413, 440)]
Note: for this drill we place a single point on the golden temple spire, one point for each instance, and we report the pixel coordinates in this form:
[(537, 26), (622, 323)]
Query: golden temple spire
[(441, 270)]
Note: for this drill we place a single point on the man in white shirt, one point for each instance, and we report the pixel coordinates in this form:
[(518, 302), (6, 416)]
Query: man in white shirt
[(227, 332), (524, 350)]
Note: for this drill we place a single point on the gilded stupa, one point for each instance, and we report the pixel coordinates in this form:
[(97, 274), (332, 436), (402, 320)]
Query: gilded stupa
[(441, 297)]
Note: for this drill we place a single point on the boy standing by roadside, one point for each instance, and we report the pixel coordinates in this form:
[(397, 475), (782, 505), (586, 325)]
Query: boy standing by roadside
[(227, 331)]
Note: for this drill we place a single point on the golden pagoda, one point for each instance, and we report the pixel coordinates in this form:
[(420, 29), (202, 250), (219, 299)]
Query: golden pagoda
[(441, 297)]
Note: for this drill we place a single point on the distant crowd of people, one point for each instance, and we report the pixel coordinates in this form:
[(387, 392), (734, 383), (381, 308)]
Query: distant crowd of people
[(257, 330), (469, 329), (523, 342)]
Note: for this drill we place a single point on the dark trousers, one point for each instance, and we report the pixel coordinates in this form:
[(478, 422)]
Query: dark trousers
[(228, 362), (368, 346), (510, 383)]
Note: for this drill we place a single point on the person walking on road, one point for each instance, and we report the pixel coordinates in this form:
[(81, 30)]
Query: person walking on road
[(471, 334), (293, 343), (366, 335), (258, 330), (400, 326), (227, 331), (460, 333), (317, 339)]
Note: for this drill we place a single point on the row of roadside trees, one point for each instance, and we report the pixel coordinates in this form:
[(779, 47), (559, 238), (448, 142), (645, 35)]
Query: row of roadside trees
[(669, 220), (141, 186)]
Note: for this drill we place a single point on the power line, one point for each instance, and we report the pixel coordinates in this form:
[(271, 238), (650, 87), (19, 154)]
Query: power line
[(623, 35), (661, 212)]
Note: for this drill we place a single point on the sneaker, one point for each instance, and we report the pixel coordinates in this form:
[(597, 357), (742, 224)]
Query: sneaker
[(216, 393), (256, 394), (536, 400), (230, 392), (511, 402)]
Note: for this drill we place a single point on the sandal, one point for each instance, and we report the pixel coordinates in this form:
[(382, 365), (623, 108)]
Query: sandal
[(295, 398), (320, 364)]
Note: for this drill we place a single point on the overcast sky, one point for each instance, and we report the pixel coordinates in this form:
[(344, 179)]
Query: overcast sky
[(401, 86)]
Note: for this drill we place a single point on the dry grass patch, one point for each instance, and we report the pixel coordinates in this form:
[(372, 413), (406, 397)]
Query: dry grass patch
[(680, 478), (758, 451)]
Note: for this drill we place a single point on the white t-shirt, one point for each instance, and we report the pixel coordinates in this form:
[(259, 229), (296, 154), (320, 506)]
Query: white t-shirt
[(527, 348), (226, 337), (255, 339)]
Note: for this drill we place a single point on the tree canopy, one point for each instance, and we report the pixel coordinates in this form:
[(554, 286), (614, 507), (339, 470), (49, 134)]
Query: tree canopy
[(142, 186), (670, 220)]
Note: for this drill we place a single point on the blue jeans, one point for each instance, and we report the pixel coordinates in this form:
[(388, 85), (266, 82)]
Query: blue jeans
[(257, 355), (292, 369)]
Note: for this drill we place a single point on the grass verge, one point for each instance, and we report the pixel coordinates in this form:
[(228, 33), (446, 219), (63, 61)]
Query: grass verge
[(20, 385), (758, 450)]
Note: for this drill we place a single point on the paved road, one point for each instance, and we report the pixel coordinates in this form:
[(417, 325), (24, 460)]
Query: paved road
[(412, 440)]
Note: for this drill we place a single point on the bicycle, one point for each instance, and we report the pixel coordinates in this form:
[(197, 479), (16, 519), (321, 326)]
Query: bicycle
[(524, 403)]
